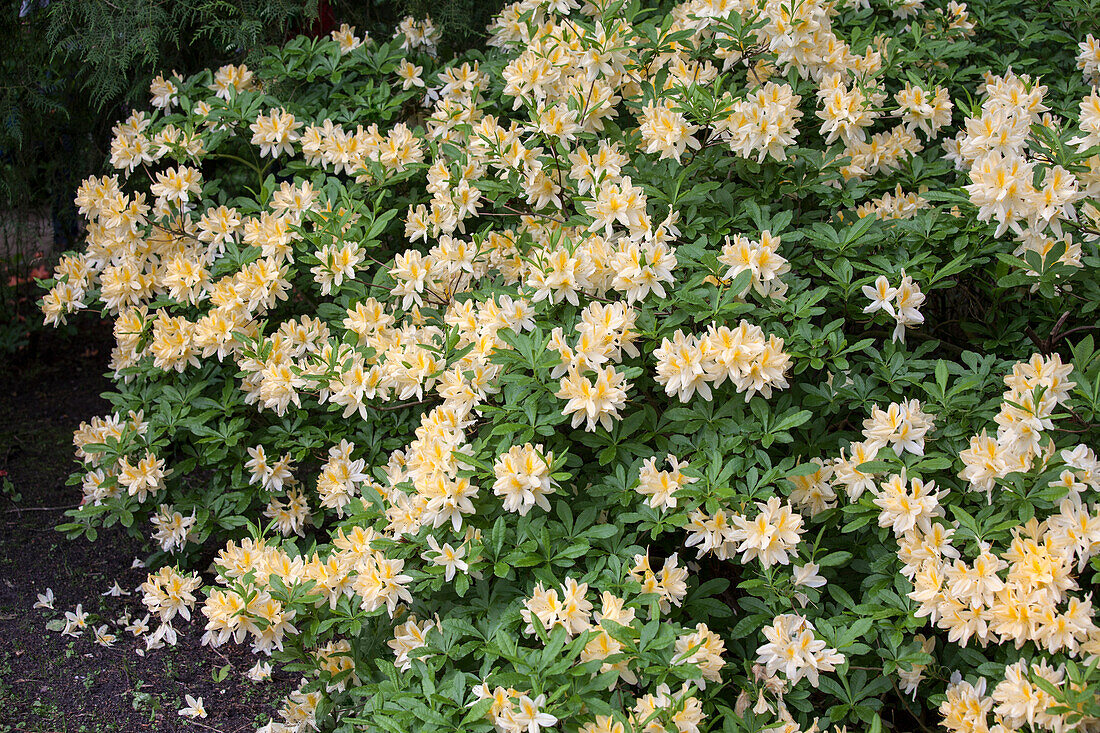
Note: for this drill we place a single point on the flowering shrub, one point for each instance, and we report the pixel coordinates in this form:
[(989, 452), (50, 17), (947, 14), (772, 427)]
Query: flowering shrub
[(712, 366)]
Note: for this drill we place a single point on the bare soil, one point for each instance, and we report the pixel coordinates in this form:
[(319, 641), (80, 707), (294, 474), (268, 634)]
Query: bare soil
[(53, 683)]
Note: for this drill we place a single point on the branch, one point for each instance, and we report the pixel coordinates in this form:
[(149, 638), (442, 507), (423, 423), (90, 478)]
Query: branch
[(1073, 330), (523, 213), (905, 703), (406, 404), (41, 508)]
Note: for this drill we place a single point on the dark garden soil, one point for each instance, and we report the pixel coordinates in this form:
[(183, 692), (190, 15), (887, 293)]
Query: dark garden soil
[(50, 682)]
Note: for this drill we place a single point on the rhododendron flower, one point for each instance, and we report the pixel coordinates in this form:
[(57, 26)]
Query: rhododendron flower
[(194, 708), (45, 600)]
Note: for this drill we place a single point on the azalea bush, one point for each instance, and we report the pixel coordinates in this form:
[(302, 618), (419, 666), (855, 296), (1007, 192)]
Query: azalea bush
[(701, 366)]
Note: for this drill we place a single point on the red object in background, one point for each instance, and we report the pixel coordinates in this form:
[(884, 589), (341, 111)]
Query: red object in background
[(39, 272), (322, 25)]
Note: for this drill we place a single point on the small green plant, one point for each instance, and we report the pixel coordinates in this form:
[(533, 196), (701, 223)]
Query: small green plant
[(8, 490), (145, 701)]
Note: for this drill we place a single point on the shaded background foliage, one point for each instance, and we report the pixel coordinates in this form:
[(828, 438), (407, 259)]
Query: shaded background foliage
[(72, 68)]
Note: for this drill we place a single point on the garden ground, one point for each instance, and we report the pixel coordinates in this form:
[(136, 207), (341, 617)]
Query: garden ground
[(53, 683)]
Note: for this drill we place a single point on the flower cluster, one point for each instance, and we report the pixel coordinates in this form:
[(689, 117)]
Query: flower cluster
[(994, 149), (761, 259), (523, 478), (793, 649), (514, 712), (687, 364), (902, 302), (771, 537), (1035, 388), (660, 487)]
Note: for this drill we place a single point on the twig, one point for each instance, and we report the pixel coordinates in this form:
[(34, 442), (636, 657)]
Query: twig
[(905, 704), (192, 721), (41, 508), (222, 655), (876, 332), (1039, 343), (533, 213), (178, 232), (1073, 330), (1057, 327), (405, 404)]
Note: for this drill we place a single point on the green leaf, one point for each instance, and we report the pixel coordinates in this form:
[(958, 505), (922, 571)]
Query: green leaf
[(220, 673), (602, 531), (835, 559), (792, 420), (804, 469), (496, 537), (876, 467), (478, 711)]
